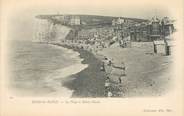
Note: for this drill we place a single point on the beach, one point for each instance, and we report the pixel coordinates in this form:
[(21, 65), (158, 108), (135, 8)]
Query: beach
[(66, 71), (90, 81), (147, 74)]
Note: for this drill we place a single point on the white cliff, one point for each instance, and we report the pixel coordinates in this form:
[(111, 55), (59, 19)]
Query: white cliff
[(46, 31)]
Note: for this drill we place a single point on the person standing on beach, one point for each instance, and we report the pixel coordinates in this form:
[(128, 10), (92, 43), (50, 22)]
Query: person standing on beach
[(109, 94), (108, 67), (119, 79), (107, 83), (122, 72), (102, 67), (107, 86), (123, 68)]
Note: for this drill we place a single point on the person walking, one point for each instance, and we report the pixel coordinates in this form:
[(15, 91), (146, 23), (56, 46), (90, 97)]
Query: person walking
[(122, 72), (123, 69), (120, 81)]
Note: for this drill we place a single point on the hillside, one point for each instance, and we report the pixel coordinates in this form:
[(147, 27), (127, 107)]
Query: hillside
[(90, 20)]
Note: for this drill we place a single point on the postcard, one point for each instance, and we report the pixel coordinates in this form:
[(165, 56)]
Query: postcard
[(91, 57)]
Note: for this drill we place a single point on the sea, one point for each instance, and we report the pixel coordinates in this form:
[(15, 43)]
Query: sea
[(38, 69)]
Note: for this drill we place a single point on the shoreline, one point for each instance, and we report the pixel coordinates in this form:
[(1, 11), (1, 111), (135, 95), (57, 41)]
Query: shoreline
[(82, 83), (147, 74), (90, 82)]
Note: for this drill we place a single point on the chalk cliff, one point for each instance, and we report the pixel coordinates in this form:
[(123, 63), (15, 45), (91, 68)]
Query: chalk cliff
[(47, 31)]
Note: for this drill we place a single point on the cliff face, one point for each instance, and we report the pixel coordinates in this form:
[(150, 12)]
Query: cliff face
[(61, 32), (47, 31)]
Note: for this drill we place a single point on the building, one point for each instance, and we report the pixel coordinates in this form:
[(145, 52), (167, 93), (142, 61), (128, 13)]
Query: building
[(140, 32), (121, 20), (167, 26), (75, 20), (155, 29), (118, 21), (152, 30)]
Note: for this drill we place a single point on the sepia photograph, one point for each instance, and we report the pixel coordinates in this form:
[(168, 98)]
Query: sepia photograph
[(94, 56), (69, 53)]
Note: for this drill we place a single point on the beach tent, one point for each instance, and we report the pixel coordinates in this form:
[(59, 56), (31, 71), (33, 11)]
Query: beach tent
[(163, 47), (169, 46), (159, 47)]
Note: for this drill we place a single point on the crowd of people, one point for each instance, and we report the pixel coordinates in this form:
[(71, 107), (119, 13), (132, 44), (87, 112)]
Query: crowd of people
[(112, 89)]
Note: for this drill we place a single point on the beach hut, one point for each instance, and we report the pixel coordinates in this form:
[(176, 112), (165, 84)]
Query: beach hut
[(170, 43), (169, 46), (163, 47), (159, 47)]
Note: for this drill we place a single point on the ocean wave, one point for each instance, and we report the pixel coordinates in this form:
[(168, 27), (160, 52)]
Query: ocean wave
[(38, 69), (54, 80), (70, 53)]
